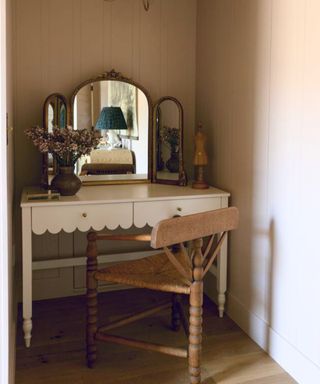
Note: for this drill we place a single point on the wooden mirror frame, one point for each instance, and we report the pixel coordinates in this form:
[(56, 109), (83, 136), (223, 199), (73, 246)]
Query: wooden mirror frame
[(182, 179), (45, 159), (152, 174), (117, 76)]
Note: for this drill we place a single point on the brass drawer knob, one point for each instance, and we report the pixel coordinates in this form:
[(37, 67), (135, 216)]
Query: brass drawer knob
[(179, 209), (84, 215)]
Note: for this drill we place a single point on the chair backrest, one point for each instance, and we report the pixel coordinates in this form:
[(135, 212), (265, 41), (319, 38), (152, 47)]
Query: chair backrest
[(192, 227)]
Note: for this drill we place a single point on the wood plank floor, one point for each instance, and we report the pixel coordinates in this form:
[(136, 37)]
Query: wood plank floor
[(57, 354)]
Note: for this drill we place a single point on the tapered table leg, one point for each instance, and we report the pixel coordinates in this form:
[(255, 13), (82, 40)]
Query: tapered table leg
[(92, 286), (27, 274), (222, 277)]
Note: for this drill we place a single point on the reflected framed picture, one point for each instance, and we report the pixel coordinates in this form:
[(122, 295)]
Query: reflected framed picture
[(124, 95)]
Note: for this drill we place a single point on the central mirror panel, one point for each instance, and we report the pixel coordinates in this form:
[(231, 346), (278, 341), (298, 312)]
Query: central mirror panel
[(119, 113)]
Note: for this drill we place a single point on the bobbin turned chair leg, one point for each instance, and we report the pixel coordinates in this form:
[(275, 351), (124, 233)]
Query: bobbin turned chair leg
[(195, 316), (175, 314), (189, 280), (91, 300)]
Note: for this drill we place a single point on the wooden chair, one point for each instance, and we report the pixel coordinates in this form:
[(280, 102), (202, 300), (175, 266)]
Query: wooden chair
[(175, 269)]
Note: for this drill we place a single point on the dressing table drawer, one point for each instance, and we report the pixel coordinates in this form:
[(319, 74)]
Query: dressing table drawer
[(150, 212), (82, 217)]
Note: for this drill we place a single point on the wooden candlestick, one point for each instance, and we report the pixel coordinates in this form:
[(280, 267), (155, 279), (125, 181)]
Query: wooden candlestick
[(200, 159)]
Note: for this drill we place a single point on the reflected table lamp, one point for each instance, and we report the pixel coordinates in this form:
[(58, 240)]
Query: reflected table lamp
[(111, 119)]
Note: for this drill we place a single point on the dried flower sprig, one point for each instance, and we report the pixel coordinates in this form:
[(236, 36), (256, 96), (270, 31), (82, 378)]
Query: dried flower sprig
[(170, 135), (67, 145)]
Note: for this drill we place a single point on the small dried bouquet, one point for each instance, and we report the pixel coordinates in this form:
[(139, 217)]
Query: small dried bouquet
[(65, 144), (170, 135)]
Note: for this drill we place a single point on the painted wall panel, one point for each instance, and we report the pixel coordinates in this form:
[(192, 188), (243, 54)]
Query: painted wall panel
[(258, 92), (59, 43)]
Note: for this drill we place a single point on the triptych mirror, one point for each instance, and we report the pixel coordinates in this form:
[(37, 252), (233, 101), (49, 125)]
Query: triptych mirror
[(138, 141)]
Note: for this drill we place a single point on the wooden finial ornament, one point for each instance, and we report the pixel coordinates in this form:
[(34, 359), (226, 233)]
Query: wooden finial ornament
[(200, 159)]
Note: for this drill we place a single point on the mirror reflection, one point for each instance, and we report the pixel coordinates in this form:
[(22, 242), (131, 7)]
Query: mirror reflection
[(119, 112), (55, 115), (168, 143)]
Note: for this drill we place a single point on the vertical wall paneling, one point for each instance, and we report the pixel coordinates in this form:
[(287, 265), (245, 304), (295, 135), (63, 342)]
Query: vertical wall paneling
[(46, 47), (59, 43), (164, 57), (122, 37), (150, 47), (258, 92), (308, 159), (91, 38), (181, 64), (10, 189), (285, 120), (28, 78), (76, 47), (136, 38), (59, 52)]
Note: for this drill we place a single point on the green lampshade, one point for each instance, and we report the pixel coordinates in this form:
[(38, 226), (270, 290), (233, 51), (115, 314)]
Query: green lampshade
[(111, 118)]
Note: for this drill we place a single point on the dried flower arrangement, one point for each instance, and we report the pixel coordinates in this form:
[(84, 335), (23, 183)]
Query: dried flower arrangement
[(66, 144), (170, 135)]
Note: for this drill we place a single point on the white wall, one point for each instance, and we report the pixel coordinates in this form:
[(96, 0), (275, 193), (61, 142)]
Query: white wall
[(258, 96), (4, 268), (59, 43), (10, 191), (7, 319)]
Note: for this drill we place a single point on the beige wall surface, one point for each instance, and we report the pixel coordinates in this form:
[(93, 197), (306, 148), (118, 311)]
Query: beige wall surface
[(10, 188), (258, 96), (60, 43)]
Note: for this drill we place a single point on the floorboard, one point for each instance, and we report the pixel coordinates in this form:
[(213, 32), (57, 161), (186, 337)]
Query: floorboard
[(57, 354)]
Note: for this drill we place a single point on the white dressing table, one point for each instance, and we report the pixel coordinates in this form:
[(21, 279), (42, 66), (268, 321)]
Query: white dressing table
[(111, 206)]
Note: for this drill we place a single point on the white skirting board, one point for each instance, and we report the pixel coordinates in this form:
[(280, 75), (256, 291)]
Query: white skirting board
[(302, 369)]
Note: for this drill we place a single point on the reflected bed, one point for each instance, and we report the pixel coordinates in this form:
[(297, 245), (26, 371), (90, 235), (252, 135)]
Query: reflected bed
[(109, 162)]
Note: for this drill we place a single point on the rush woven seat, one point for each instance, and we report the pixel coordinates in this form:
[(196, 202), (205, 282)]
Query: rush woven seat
[(152, 272), (176, 270)]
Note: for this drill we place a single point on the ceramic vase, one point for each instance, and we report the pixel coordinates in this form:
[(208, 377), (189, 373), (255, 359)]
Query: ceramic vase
[(173, 163), (66, 182)]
